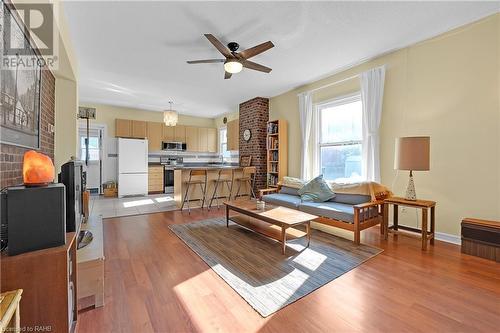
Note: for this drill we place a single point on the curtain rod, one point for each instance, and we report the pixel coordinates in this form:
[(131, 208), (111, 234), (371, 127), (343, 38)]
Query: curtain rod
[(338, 82)]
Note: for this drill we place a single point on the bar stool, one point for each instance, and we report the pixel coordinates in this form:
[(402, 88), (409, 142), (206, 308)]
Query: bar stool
[(201, 182), (248, 175), (222, 178)]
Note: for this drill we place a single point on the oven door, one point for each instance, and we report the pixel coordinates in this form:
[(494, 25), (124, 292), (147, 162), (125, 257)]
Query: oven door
[(168, 177)]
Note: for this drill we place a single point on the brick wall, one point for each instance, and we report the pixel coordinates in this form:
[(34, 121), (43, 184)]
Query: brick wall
[(11, 157), (254, 115)]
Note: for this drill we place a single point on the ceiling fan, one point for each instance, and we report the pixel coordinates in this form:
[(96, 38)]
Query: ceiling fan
[(235, 61)]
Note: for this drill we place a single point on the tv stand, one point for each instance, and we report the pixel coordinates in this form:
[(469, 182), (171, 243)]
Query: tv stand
[(91, 263)]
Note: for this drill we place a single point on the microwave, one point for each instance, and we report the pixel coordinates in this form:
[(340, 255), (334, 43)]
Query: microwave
[(173, 146)]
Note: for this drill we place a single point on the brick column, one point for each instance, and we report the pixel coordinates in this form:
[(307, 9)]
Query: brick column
[(254, 115)]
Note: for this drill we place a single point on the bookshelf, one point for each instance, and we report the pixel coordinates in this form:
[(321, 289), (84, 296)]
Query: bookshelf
[(277, 151)]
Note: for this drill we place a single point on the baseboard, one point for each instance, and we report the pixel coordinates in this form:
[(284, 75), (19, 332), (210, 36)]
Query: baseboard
[(441, 236)]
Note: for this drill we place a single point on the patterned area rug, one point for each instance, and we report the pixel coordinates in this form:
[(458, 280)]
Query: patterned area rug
[(255, 268)]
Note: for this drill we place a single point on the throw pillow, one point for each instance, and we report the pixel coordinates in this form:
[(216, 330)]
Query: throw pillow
[(316, 190), (292, 182)]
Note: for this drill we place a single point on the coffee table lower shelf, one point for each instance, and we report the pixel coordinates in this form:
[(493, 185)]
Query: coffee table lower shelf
[(269, 230)]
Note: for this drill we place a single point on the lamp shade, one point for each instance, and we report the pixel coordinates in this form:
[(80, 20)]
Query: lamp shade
[(412, 153)]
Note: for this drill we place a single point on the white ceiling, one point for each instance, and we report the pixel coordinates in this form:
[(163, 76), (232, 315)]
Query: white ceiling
[(134, 53)]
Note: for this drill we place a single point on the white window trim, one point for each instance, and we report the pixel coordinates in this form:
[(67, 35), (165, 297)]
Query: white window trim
[(344, 99)]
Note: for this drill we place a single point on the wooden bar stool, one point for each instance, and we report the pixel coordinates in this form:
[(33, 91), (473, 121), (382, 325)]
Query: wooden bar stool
[(202, 182), (247, 177), (225, 176)]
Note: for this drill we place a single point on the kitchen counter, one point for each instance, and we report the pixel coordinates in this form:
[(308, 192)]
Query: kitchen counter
[(181, 175)]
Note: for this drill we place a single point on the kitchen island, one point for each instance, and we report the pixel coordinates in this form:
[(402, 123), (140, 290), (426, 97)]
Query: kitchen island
[(181, 175)]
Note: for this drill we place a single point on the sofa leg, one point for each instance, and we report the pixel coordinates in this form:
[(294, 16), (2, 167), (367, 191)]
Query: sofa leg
[(357, 236)]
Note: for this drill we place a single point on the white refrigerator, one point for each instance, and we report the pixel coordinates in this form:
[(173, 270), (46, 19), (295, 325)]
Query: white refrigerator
[(132, 167)]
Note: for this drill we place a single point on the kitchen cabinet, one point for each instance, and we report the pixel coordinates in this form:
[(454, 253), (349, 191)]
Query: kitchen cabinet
[(155, 178), (154, 135), (212, 140), (123, 128), (233, 134), (180, 133), (202, 139), (138, 129), (168, 133), (192, 139)]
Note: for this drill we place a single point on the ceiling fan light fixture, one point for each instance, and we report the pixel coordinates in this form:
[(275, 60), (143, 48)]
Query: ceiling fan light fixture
[(233, 66), (170, 117)]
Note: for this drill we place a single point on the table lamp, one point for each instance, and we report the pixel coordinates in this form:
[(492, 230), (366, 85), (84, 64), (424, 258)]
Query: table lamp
[(413, 154)]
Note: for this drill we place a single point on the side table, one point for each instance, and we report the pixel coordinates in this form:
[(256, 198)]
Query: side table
[(424, 205)]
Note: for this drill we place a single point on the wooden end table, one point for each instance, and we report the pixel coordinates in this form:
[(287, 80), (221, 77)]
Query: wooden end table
[(275, 222), (424, 205)]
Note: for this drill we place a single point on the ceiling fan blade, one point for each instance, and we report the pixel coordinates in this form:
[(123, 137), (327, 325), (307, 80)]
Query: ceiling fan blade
[(256, 66), (219, 46), (206, 61), (253, 51), (227, 75)]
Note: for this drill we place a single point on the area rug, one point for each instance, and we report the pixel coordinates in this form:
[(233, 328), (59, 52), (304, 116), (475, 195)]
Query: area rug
[(255, 268)]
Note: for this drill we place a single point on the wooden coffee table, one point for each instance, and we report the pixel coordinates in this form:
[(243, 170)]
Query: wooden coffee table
[(274, 221)]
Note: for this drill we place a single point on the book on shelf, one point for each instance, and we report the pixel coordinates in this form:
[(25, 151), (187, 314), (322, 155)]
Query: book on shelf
[(272, 142), (272, 180), (272, 128)]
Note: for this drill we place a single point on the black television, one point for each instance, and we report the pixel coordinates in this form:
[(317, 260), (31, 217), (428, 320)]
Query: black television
[(73, 177)]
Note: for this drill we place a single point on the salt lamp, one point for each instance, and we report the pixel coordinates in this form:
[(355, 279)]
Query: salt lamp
[(38, 169)]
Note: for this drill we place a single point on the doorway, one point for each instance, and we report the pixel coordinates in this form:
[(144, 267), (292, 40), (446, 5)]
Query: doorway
[(95, 156)]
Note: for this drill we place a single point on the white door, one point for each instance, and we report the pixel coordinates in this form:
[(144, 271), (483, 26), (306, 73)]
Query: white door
[(94, 164), (132, 156)]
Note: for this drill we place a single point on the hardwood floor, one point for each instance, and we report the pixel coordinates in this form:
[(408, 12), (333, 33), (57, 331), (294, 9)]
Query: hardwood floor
[(155, 283)]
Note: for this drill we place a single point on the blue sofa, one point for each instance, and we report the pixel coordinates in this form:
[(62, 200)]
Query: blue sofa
[(351, 212)]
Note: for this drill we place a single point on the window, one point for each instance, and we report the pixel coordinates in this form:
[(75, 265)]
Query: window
[(93, 148), (340, 139), (223, 144)]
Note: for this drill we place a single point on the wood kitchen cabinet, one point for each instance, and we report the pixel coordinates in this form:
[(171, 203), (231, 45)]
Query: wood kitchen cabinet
[(138, 129), (154, 135), (155, 179), (168, 133), (202, 139), (192, 139), (180, 133), (123, 128), (212, 140), (233, 134)]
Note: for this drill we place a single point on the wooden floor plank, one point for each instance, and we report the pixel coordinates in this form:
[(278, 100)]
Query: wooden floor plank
[(155, 283)]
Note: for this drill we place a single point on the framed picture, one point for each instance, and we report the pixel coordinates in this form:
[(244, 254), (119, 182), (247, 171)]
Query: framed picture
[(20, 88)]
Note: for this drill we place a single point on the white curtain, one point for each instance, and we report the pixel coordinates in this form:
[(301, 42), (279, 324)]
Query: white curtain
[(372, 93), (308, 127)]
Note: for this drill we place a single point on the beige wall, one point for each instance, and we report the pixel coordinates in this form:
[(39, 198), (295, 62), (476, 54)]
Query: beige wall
[(219, 121), (446, 87), (106, 114), (66, 122)]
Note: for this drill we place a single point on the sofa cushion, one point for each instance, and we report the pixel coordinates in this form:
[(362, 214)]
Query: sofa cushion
[(333, 210), (285, 200), (316, 190), (289, 190), (292, 182), (350, 199)]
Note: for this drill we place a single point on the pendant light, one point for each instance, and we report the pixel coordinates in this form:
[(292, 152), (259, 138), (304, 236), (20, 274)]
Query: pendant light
[(170, 117)]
